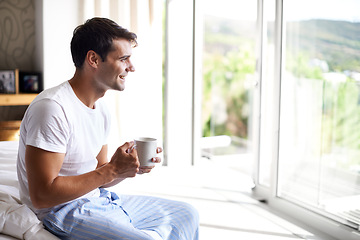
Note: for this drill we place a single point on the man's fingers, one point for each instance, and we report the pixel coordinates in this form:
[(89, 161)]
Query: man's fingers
[(145, 169), (159, 149), (156, 160), (128, 146)]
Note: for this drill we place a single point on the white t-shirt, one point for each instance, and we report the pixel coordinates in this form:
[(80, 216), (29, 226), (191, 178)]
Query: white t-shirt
[(57, 121)]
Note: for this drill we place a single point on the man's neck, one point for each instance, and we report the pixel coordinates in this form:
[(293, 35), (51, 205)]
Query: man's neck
[(84, 90)]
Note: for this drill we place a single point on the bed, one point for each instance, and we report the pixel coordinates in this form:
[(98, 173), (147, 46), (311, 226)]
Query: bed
[(17, 221)]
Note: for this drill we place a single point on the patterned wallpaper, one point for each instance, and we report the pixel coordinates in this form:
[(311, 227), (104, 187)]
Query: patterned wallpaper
[(17, 44), (17, 34)]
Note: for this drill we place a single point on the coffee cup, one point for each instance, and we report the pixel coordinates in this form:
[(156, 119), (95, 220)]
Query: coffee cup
[(146, 150)]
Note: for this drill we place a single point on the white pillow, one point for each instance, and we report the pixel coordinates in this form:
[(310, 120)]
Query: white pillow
[(17, 220)]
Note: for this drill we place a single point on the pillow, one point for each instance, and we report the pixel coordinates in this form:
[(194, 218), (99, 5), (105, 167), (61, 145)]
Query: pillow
[(17, 220)]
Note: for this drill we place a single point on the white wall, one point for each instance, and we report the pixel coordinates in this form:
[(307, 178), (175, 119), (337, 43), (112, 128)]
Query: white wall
[(179, 85), (60, 17)]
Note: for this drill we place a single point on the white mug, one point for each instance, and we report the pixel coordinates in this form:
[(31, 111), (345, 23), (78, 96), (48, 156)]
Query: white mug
[(146, 150)]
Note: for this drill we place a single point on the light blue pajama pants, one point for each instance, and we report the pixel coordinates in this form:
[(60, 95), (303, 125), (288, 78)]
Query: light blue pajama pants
[(112, 217)]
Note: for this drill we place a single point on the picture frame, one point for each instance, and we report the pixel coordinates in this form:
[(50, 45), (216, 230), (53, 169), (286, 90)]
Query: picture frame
[(7, 82), (30, 82)]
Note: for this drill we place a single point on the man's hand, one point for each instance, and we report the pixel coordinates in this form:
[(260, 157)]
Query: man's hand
[(126, 163)]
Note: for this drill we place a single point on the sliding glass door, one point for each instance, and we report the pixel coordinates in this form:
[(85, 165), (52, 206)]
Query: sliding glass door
[(306, 132), (229, 81), (319, 142)]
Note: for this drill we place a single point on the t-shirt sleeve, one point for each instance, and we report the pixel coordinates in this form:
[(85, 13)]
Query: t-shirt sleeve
[(47, 127)]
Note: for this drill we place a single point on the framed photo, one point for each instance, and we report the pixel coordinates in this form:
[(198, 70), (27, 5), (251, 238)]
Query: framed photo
[(30, 82), (7, 82)]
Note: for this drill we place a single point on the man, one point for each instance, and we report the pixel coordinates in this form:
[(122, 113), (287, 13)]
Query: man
[(62, 161)]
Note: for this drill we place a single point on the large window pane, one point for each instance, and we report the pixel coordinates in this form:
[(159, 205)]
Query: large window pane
[(229, 63), (319, 151)]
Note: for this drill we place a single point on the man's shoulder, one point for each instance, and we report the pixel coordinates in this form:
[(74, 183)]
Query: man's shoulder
[(51, 102), (56, 93)]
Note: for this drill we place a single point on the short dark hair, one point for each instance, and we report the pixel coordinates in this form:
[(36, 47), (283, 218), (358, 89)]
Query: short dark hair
[(97, 34)]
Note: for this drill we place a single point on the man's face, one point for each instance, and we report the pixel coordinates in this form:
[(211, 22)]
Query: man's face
[(117, 65)]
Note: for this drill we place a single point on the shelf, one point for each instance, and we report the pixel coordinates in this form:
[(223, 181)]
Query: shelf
[(16, 99), (9, 130)]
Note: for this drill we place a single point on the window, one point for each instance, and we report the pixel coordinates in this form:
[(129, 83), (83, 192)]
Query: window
[(319, 148), (210, 82), (309, 130), (229, 80)]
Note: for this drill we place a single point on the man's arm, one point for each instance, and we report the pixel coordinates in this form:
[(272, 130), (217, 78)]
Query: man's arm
[(47, 189), (102, 161)]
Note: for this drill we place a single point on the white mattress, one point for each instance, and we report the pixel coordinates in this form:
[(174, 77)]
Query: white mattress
[(17, 221)]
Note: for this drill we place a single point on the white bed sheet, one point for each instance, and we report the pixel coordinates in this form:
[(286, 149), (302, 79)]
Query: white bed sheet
[(17, 221)]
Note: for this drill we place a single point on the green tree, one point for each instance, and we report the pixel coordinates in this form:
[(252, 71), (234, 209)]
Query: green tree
[(226, 77)]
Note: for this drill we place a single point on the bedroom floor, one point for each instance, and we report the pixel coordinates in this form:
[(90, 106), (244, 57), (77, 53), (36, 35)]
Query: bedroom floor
[(223, 199)]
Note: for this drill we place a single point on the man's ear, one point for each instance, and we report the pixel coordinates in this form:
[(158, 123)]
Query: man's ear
[(92, 58)]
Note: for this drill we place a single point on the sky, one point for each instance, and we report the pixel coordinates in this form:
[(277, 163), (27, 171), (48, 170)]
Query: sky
[(348, 10)]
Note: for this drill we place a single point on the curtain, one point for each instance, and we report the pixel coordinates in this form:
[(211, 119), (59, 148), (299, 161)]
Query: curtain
[(137, 111)]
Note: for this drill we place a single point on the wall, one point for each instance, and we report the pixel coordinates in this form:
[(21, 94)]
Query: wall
[(30, 43), (17, 30), (18, 46), (179, 85), (60, 17)]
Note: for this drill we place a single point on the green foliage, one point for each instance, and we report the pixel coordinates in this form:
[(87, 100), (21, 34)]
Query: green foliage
[(298, 65), (227, 68), (341, 122), (338, 42), (224, 79)]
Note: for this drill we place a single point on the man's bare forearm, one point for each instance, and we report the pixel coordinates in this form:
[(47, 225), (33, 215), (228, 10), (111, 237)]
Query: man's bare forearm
[(48, 189), (66, 188), (113, 183)]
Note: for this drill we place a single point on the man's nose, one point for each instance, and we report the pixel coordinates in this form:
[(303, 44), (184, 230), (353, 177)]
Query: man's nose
[(130, 67)]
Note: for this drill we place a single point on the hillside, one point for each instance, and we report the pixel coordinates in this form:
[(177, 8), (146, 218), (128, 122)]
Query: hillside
[(336, 42)]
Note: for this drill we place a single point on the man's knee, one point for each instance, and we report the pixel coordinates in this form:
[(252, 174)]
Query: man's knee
[(191, 213)]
